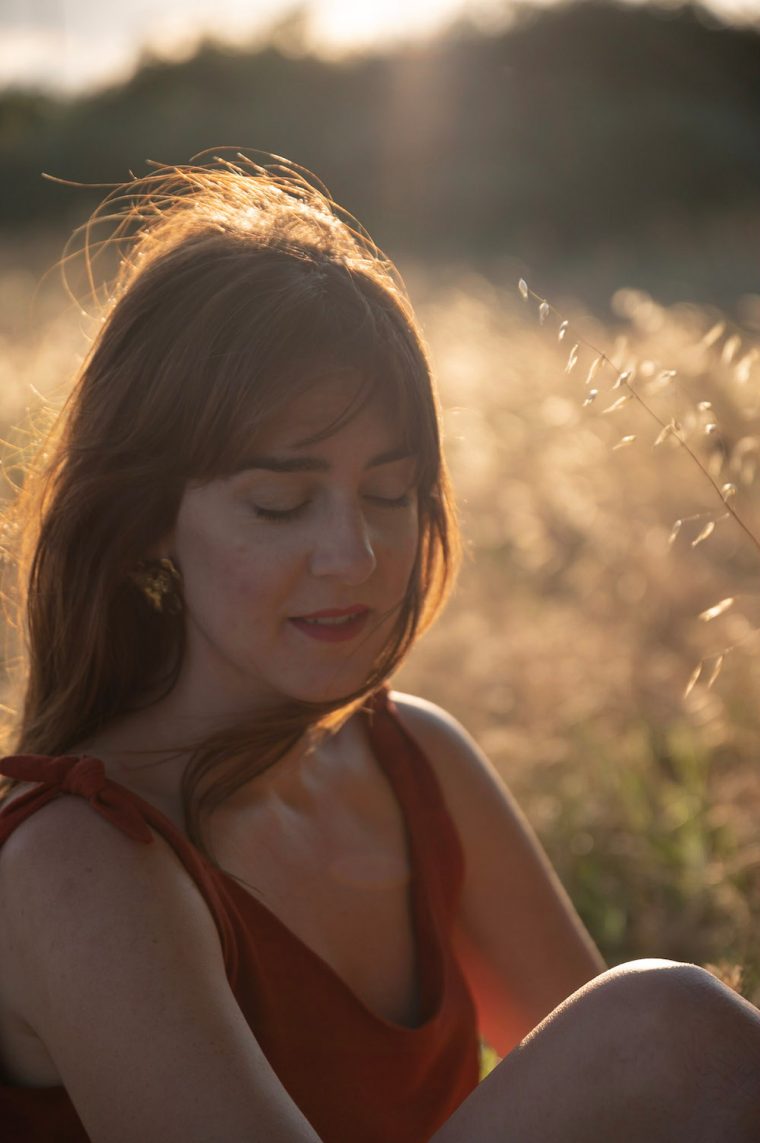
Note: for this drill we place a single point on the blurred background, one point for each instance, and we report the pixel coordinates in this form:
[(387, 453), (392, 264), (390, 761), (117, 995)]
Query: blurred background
[(608, 154)]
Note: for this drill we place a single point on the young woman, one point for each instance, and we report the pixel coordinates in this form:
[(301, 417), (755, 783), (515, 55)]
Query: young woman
[(248, 893)]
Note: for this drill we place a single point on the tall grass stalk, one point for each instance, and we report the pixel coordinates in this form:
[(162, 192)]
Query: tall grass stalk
[(576, 624)]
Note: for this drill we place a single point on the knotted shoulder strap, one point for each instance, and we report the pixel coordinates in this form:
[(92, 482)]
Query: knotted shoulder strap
[(80, 775), (85, 777)]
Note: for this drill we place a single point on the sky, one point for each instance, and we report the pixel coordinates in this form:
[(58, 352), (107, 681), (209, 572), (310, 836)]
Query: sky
[(74, 45)]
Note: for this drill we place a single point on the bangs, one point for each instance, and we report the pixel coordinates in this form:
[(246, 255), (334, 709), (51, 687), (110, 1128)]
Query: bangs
[(322, 334)]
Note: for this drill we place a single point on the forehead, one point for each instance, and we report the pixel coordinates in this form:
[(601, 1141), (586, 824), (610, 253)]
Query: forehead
[(325, 409)]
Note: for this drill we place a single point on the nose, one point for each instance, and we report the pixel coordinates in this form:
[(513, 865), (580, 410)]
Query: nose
[(343, 548)]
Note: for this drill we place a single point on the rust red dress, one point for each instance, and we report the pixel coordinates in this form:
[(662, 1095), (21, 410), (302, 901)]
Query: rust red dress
[(357, 1078)]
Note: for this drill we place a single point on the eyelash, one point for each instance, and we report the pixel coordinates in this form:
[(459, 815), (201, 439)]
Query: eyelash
[(275, 514)]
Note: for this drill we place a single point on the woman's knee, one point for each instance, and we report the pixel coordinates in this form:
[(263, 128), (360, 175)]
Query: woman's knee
[(688, 1032), (650, 1050), (681, 1004), (641, 1010)]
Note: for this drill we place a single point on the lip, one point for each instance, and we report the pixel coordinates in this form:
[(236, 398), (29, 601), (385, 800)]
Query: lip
[(335, 612), (355, 620)]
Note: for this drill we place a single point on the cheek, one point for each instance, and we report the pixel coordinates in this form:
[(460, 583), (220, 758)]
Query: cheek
[(218, 575), (247, 579), (252, 580)]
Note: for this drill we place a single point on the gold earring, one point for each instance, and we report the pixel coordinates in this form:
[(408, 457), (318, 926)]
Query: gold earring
[(161, 584)]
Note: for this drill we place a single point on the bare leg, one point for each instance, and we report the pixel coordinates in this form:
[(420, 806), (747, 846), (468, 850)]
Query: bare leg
[(650, 1052)]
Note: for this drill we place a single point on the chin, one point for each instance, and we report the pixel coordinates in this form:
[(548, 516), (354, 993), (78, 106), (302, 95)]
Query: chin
[(336, 694), (343, 685)]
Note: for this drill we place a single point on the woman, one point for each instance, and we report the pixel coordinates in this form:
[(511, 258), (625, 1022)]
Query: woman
[(246, 893)]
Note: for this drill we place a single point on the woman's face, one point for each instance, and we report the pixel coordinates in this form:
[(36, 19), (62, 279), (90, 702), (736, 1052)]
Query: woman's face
[(294, 568)]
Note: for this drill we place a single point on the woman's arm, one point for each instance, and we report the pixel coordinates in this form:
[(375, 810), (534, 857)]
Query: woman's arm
[(521, 944), (118, 969)]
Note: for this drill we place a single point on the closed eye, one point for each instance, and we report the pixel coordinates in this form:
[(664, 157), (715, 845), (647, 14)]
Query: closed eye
[(262, 513), (280, 513), (392, 501)]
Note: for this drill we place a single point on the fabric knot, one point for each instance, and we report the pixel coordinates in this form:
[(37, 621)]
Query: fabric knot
[(81, 775), (87, 777)]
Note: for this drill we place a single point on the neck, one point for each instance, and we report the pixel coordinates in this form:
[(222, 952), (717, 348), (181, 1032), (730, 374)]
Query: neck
[(148, 750)]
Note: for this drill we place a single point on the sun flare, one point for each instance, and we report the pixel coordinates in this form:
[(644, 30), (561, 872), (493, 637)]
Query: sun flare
[(344, 25)]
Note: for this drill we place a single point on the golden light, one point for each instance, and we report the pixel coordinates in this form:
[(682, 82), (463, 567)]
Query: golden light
[(345, 25)]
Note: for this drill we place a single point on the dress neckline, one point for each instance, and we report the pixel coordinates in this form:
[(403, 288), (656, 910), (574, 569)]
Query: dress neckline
[(428, 969), (426, 948), (393, 750)]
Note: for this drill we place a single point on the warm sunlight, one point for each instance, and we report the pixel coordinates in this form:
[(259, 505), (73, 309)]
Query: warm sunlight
[(342, 25), (85, 44)]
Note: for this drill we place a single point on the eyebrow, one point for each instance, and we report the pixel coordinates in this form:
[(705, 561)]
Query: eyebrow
[(316, 464)]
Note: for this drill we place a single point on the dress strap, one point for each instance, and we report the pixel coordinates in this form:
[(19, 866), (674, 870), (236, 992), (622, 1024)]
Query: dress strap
[(68, 774), (85, 777), (430, 826)]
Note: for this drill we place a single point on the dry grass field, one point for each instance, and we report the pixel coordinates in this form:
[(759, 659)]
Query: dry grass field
[(579, 619)]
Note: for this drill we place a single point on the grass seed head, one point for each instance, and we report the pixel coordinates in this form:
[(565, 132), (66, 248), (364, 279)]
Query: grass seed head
[(706, 532), (717, 609)]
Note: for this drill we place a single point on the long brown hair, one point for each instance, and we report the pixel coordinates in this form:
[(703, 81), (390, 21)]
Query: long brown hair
[(240, 285)]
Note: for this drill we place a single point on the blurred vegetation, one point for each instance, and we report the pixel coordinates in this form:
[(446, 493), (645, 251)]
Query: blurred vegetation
[(591, 142), (601, 147), (576, 627), (569, 643)]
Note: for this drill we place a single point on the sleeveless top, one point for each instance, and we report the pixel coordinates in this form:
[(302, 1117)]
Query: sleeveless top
[(354, 1075)]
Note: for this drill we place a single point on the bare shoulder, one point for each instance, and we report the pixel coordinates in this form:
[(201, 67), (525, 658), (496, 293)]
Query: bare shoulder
[(66, 851), (498, 841), (51, 848), (72, 881), (118, 970), (464, 771), (67, 826), (427, 716)]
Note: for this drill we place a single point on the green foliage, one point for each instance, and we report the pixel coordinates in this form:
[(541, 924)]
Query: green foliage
[(642, 852), (488, 1059)]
